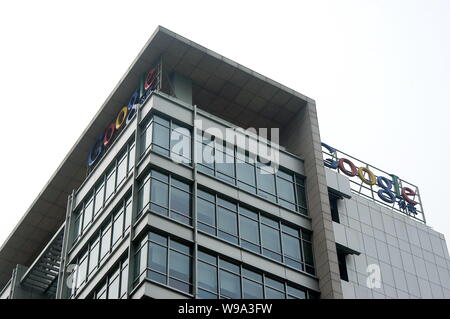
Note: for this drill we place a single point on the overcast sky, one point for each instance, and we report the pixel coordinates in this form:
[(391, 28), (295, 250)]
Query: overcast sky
[(378, 70)]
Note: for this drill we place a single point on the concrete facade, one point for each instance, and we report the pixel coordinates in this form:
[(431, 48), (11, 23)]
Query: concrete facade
[(412, 258)]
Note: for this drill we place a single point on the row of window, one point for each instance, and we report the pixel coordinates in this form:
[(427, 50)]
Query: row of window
[(227, 163), (165, 261), (108, 184), (239, 168), (165, 195), (251, 230), (102, 244), (169, 262), (219, 278), (115, 285), (165, 137)]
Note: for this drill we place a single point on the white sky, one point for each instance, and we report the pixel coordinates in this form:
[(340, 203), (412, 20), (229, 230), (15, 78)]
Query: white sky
[(378, 70)]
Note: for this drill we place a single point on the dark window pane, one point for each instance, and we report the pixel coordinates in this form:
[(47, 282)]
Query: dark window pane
[(229, 266), (249, 230), (270, 238), (285, 190), (180, 266), (291, 247), (180, 247), (274, 283), (274, 294), (246, 173), (207, 257), (266, 180), (158, 258), (252, 275), (158, 239), (227, 220), (301, 196), (159, 195), (230, 285), (207, 276), (206, 212), (252, 290), (180, 201), (161, 138), (206, 295), (297, 293), (308, 253)]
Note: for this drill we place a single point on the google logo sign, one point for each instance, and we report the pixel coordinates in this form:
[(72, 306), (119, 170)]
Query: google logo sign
[(147, 84), (389, 190)]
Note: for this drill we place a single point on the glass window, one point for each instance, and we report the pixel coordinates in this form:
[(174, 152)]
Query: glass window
[(128, 212), (274, 294), (161, 139), (99, 197), (146, 137), (249, 232), (122, 169), (180, 202), (292, 250), (227, 224), (207, 276), (295, 293), (224, 158), (246, 175), (88, 213), (82, 270), (180, 268), (105, 242), (131, 157), (158, 258), (113, 289), (124, 280), (159, 196), (252, 290), (117, 227), (230, 285), (206, 212), (110, 183), (270, 239), (78, 224), (144, 195), (308, 253), (286, 192), (180, 140), (205, 153), (266, 182), (93, 257)]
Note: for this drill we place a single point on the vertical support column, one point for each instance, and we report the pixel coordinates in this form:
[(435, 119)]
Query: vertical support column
[(303, 138), (194, 203)]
